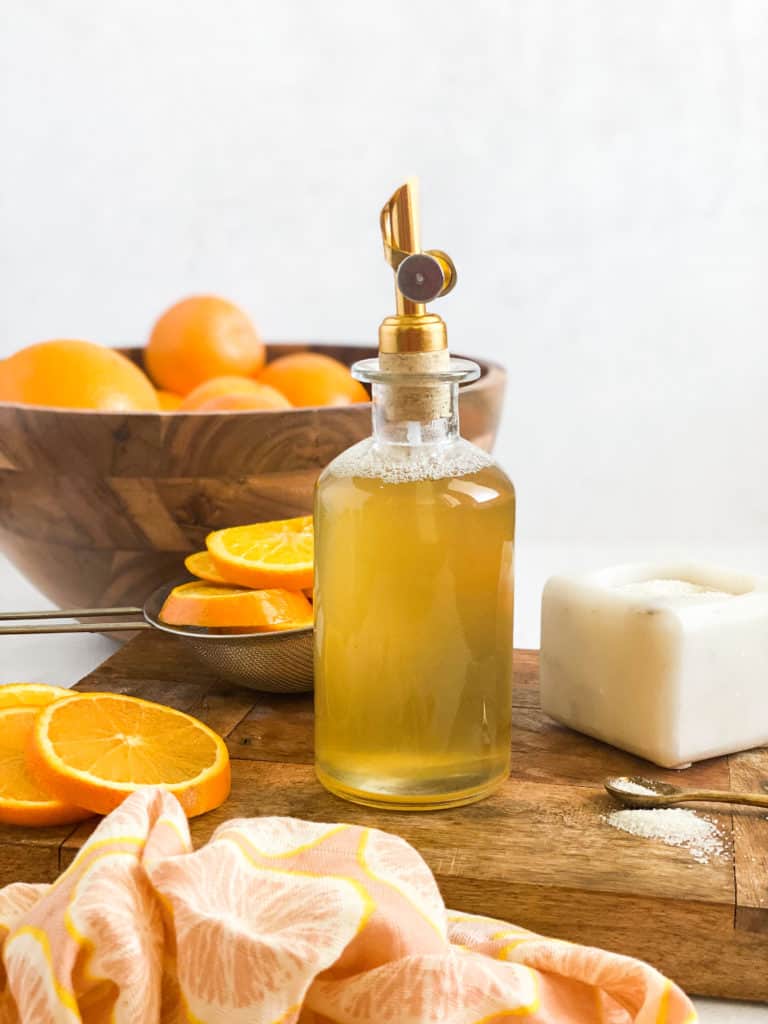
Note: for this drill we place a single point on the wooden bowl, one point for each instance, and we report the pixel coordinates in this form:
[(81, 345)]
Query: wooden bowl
[(97, 509)]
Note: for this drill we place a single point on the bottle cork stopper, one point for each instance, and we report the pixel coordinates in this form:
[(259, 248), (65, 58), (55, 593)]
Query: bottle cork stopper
[(421, 403)]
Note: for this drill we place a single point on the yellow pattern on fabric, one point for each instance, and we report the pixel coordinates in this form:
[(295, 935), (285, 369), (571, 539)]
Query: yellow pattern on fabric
[(518, 1011), (369, 905), (82, 941), (296, 849), (66, 996), (661, 1016), (393, 885)]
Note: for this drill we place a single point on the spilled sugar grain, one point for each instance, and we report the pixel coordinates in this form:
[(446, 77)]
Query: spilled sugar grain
[(675, 827)]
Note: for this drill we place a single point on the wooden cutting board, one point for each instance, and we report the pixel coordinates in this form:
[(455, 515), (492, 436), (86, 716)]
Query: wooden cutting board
[(536, 853)]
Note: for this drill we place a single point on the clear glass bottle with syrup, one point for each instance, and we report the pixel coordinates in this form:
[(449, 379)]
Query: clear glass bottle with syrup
[(414, 571)]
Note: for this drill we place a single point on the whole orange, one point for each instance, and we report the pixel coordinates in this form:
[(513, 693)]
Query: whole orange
[(218, 388), (169, 401), (266, 400), (309, 378), (199, 338), (75, 375)]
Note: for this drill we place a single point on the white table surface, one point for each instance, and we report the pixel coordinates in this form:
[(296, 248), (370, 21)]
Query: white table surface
[(65, 659)]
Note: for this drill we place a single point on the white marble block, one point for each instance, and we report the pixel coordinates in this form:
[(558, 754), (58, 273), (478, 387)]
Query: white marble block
[(669, 662)]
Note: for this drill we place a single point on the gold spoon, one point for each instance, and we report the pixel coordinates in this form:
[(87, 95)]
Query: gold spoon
[(628, 789)]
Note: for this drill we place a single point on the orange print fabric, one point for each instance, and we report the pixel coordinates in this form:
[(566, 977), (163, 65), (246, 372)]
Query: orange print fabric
[(277, 920)]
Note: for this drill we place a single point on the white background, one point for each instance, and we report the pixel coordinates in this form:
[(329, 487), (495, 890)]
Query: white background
[(597, 168)]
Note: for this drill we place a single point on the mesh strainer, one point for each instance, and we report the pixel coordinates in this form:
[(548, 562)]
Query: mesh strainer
[(279, 662)]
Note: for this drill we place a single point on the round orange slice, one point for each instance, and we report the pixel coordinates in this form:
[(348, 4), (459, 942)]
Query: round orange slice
[(201, 565), (278, 554), (96, 748), (214, 605), (30, 695), (23, 801)]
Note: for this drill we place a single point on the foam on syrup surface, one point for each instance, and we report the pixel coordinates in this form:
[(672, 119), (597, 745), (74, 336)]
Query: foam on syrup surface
[(394, 464)]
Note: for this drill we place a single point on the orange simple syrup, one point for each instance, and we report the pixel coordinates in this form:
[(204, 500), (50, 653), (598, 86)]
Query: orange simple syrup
[(414, 608)]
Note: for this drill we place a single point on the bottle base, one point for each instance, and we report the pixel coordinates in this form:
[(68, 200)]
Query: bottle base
[(394, 801)]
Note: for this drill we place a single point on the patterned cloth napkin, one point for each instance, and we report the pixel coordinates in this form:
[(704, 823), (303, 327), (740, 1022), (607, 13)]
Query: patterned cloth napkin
[(277, 920)]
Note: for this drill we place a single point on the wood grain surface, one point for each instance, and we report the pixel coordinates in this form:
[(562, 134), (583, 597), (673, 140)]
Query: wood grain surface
[(100, 508), (536, 853)]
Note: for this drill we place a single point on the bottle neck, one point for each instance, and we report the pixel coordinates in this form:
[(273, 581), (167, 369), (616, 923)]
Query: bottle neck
[(415, 415)]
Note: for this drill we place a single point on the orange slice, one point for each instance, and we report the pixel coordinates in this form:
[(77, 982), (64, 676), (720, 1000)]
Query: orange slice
[(201, 565), (23, 801), (215, 605), (96, 748), (30, 695), (278, 554)]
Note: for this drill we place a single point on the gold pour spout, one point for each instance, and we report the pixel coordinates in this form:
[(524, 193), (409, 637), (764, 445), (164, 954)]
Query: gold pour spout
[(420, 276), (400, 232)]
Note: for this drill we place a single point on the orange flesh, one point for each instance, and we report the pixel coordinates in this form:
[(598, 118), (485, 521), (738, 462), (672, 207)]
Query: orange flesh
[(124, 743), (23, 800), (31, 695), (97, 748), (201, 565), (15, 781), (276, 554), (213, 605)]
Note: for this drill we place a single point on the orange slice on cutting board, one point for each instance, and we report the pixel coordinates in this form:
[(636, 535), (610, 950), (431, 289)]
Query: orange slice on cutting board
[(201, 565), (277, 554), (96, 748), (30, 695), (214, 605), (23, 801)]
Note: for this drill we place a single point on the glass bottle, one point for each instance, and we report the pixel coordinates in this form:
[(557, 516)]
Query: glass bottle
[(413, 586)]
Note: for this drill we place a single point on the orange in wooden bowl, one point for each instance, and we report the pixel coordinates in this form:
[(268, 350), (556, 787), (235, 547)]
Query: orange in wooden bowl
[(214, 605), (96, 748), (268, 400), (276, 554), (76, 375), (221, 393), (309, 378), (169, 402), (23, 800), (98, 508), (201, 337)]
